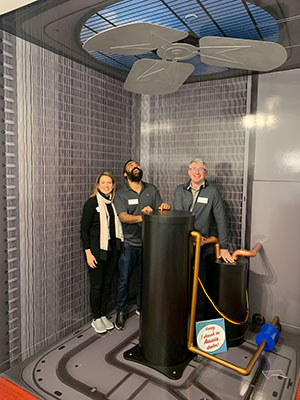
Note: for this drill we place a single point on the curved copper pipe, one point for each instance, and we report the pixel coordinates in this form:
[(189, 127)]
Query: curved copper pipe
[(197, 237), (213, 239), (234, 367), (247, 253), (243, 371)]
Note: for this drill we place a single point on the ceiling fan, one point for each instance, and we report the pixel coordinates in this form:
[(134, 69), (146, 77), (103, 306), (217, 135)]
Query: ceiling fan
[(152, 76)]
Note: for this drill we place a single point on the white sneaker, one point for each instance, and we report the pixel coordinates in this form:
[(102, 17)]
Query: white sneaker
[(106, 322), (98, 325), (138, 312)]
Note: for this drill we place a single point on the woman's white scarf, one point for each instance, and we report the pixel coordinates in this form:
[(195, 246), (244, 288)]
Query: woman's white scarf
[(104, 222)]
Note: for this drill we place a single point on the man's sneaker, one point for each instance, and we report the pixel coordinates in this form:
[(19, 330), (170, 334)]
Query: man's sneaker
[(107, 323), (120, 320), (138, 312), (98, 325)]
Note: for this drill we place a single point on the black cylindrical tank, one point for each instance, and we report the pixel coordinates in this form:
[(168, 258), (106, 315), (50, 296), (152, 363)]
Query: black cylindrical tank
[(167, 248), (226, 284), (165, 287)]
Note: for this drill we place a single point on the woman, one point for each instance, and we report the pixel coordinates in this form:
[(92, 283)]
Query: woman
[(101, 236)]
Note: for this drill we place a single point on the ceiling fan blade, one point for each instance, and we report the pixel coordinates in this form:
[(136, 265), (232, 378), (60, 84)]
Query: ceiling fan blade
[(8, 6), (157, 76), (241, 53), (134, 38)]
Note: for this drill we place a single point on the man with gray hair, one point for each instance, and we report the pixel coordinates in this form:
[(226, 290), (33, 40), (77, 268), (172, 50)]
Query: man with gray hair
[(204, 200)]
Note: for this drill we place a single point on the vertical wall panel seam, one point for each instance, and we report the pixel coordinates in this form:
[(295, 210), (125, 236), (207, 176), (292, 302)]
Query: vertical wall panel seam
[(9, 177), (3, 237), (246, 166)]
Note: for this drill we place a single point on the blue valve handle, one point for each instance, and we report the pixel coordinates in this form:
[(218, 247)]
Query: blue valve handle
[(270, 334)]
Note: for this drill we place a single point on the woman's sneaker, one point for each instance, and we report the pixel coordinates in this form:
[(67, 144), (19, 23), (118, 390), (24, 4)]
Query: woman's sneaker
[(106, 322), (98, 325)]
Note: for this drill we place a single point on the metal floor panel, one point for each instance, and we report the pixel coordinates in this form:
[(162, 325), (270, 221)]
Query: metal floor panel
[(87, 365)]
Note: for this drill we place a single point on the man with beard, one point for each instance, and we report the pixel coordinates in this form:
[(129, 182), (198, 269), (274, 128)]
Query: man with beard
[(132, 200)]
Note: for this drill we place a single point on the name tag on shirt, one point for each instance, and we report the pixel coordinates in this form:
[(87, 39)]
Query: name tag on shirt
[(203, 200), (131, 202)]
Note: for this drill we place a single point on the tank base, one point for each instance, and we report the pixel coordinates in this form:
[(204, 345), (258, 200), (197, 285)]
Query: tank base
[(172, 372)]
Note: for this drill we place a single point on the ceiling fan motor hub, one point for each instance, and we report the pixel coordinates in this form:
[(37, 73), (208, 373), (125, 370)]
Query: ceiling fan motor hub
[(177, 51)]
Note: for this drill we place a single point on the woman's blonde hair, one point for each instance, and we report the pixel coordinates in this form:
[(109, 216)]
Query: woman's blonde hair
[(95, 188)]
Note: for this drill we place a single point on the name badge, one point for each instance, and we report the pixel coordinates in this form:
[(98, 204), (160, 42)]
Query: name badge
[(203, 200), (131, 202)]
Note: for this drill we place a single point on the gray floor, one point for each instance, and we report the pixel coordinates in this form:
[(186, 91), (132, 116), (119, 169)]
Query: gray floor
[(87, 365)]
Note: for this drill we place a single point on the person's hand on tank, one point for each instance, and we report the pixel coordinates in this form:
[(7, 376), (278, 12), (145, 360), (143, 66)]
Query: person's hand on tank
[(226, 256), (164, 206), (147, 210)]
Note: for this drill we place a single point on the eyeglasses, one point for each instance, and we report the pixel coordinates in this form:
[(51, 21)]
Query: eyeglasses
[(197, 169)]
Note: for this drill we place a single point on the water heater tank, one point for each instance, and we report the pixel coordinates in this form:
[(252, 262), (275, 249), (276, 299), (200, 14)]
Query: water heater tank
[(166, 290)]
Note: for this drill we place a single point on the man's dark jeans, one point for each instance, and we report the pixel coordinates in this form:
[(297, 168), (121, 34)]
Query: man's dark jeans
[(130, 258)]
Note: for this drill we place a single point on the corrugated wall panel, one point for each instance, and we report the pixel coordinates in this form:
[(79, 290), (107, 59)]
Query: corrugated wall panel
[(206, 120), (9, 191)]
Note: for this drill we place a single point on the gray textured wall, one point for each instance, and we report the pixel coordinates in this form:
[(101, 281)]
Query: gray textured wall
[(10, 271), (3, 226), (203, 119), (71, 123)]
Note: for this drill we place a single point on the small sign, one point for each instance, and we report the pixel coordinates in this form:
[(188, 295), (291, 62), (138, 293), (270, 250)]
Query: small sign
[(211, 336)]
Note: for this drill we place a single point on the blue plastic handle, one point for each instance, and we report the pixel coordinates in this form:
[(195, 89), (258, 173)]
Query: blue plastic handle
[(270, 334)]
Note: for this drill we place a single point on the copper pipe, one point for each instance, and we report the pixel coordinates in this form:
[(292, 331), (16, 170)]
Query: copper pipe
[(213, 239), (197, 238), (247, 253), (259, 350), (240, 370)]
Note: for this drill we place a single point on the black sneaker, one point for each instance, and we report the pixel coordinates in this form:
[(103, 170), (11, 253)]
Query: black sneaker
[(120, 320)]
